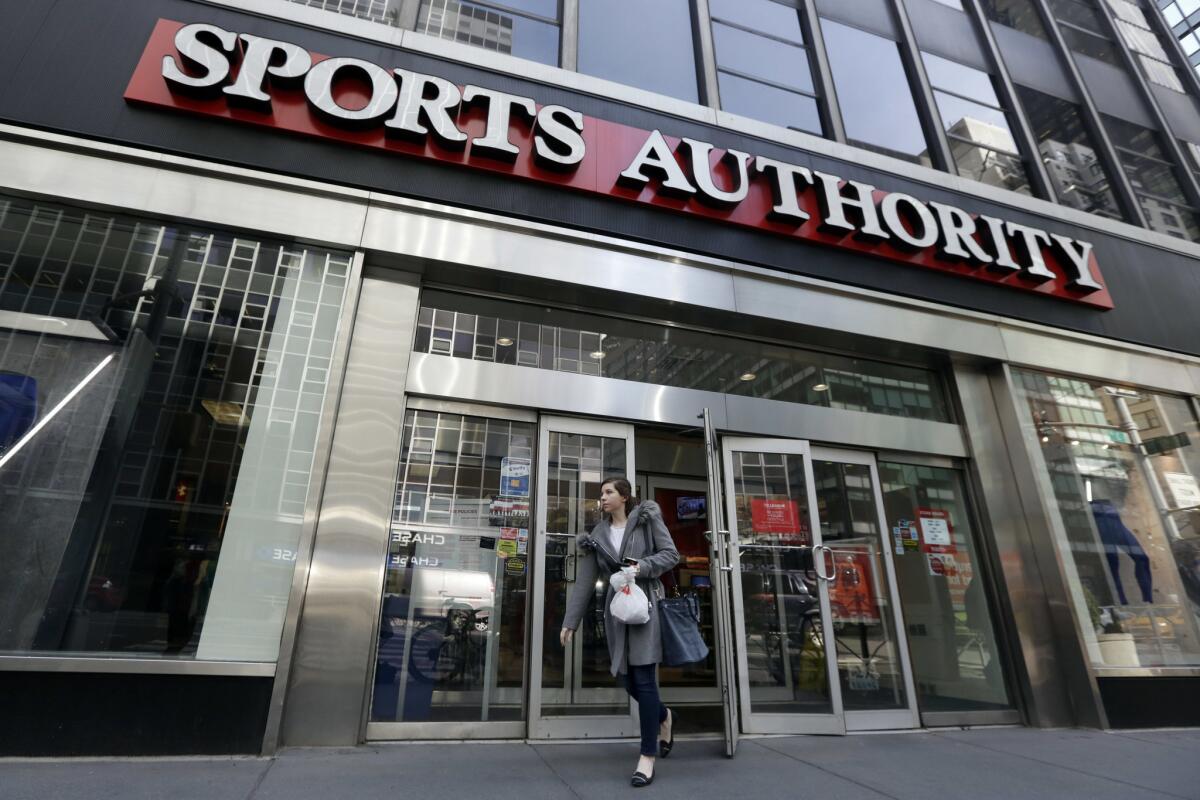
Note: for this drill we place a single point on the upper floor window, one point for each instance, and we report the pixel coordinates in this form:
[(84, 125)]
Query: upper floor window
[(1155, 181), (1084, 30), (1020, 15), (523, 28), (762, 63), (976, 126), (873, 93), (644, 43), (1077, 175), (1135, 30)]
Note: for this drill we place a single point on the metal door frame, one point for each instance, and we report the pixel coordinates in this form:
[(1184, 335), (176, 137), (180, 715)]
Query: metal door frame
[(909, 717), (567, 727), (758, 722)]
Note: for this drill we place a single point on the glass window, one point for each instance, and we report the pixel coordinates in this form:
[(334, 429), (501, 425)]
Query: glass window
[(1018, 14), (494, 27), (385, 11), (769, 103), (761, 75), (1066, 149), (505, 332), (873, 92), (976, 127), (159, 410), (1154, 179), (642, 43), (1122, 465), (952, 3), (1084, 30), (955, 656), (775, 18), (452, 630), (760, 57), (1135, 30)]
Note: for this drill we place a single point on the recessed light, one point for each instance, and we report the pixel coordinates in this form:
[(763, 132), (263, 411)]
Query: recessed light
[(597, 354), (747, 376), (821, 387), (1045, 439), (1074, 443), (504, 341)]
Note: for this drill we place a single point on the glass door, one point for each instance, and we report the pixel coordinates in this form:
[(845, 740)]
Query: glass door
[(780, 593), (574, 693), (873, 671)]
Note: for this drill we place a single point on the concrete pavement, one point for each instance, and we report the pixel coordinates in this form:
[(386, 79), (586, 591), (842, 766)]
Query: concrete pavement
[(977, 764)]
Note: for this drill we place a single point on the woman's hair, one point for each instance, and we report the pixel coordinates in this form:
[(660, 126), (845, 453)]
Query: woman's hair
[(621, 484)]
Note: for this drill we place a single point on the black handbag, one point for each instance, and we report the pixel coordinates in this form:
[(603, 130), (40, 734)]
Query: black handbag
[(679, 625)]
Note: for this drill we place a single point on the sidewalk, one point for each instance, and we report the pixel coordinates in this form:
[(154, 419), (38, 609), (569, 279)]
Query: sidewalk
[(944, 765)]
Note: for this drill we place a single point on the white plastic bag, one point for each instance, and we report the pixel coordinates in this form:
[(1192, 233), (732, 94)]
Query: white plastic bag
[(629, 603)]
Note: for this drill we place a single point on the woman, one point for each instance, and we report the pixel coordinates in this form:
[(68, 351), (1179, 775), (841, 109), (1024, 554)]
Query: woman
[(631, 536)]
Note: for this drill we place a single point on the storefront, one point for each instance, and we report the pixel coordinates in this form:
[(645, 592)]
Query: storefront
[(310, 378)]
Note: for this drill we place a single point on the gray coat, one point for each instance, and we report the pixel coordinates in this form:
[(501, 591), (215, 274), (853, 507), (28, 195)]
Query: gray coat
[(596, 560)]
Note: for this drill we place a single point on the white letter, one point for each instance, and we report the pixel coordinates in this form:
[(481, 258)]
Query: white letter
[(1031, 241), (957, 239), (568, 137), (257, 64), (318, 87), (494, 143), (925, 232), (1082, 277), (783, 188), (698, 160), (201, 56), (834, 205), (657, 156), (994, 228), (438, 111)]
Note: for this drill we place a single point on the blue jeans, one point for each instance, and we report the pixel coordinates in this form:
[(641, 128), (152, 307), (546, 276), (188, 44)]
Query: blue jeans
[(642, 684)]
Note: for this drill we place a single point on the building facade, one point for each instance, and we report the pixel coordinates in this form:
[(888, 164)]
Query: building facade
[(322, 323)]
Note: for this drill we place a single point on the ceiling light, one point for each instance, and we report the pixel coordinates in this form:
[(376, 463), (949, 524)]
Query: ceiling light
[(504, 341), (597, 354), (821, 387), (1045, 439), (747, 376), (1074, 443)]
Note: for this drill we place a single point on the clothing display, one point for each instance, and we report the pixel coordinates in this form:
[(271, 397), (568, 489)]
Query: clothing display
[(1116, 537)]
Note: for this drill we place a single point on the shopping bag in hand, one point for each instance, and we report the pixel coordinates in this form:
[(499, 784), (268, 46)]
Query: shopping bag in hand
[(629, 603)]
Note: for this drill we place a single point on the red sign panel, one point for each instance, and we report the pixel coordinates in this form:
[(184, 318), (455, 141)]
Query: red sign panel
[(1050, 265), (775, 516)]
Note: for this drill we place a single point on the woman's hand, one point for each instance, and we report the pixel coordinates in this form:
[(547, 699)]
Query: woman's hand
[(565, 635)]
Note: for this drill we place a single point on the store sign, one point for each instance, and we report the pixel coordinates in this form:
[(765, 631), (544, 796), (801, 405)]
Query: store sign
[(204, 69)]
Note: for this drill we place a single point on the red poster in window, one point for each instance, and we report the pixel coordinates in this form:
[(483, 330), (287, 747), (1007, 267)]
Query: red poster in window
[(852, 593), (778, 517)]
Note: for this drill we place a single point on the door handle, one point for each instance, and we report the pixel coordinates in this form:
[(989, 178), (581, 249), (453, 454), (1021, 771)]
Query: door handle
[(819, 563)]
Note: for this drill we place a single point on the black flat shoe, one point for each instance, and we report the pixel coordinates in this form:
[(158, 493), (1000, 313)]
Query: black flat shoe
[(639, 780), (665, 745)]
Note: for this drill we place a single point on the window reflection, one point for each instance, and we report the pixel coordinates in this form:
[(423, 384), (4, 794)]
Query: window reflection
[(504, 332), (976, 126), (192, 448), (873, 93), (1122, 465), (955, 656), (1077, 176), (763, 67), (494, 27), (642, 43), (1020, 15), (1084, 30), (1155, 182)]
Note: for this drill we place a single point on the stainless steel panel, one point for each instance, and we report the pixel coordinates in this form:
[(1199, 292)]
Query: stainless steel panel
[(707, 51), (962, 719), (867, 316), (136, 666), (570, 35), (847, 428), (394, 230), (526, 387), (320, 462), (420, 731), (470, 409), (1100, 359), (339, 624), (215, 199), (1145, 672), (1051, 672)]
